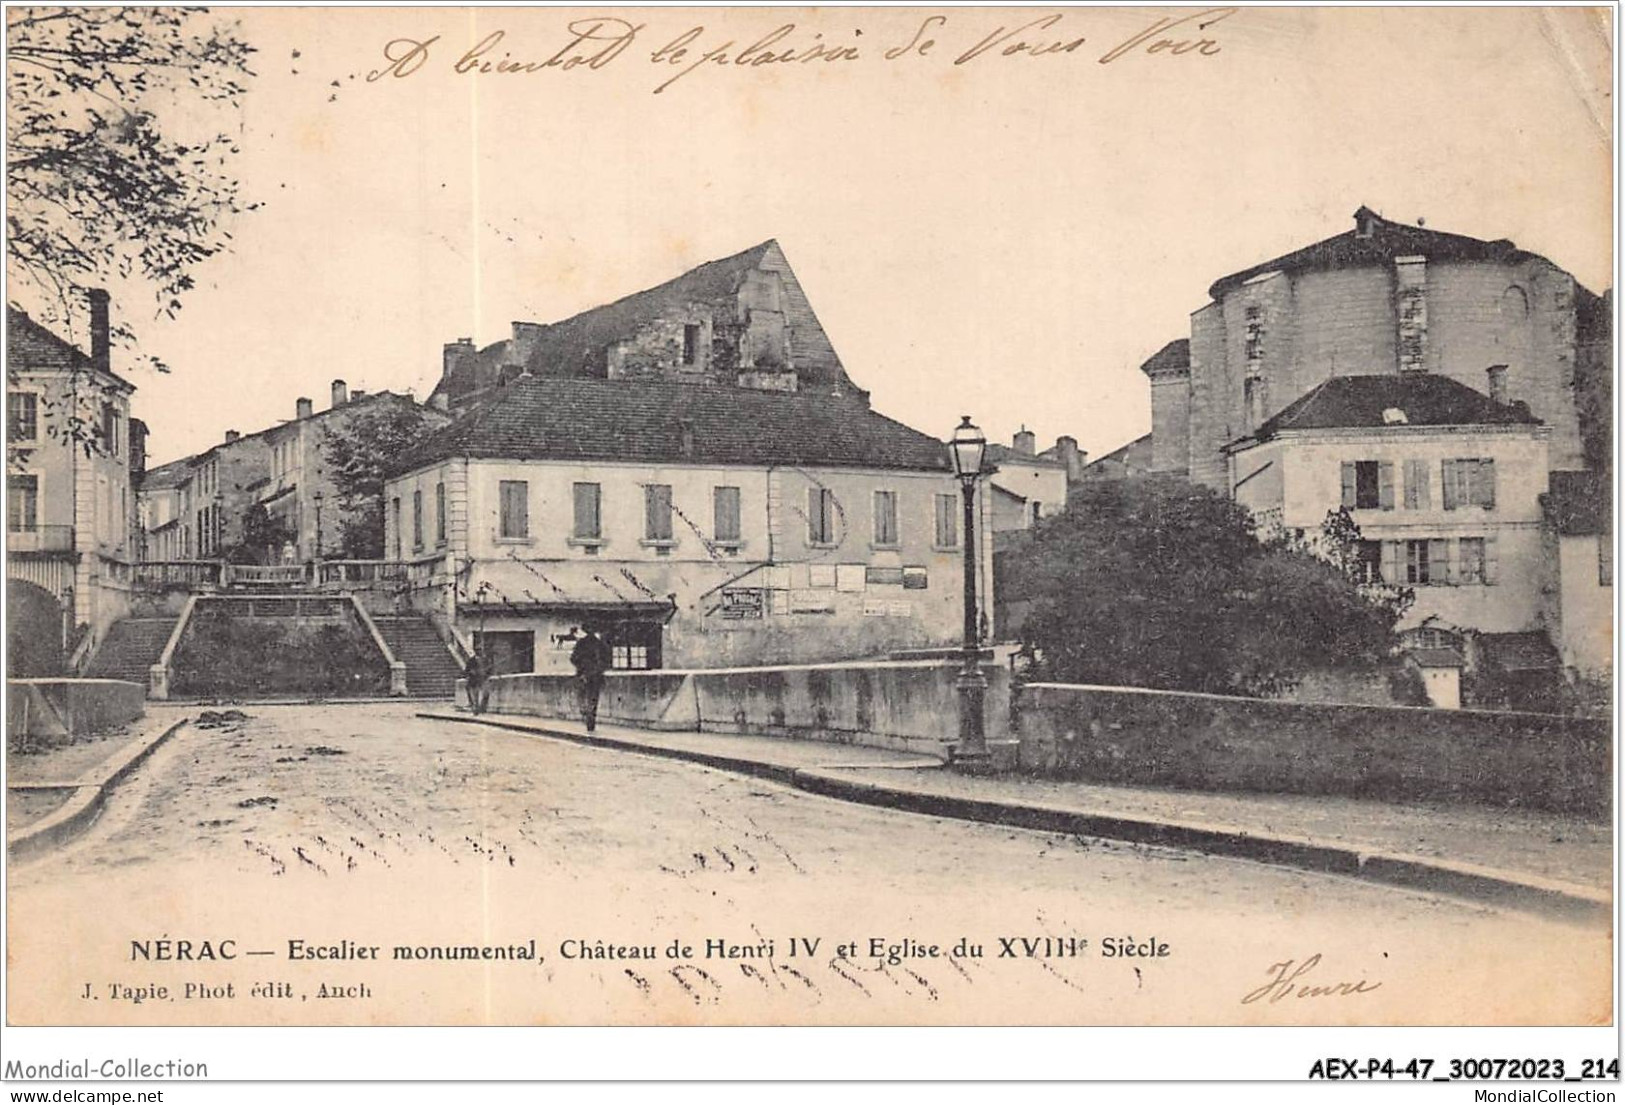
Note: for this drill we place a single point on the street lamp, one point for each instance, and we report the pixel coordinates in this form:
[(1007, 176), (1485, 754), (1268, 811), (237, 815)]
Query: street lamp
[(967, 448)]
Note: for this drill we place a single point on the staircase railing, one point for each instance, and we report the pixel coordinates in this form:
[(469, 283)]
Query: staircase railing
[(397, 668), (158, 674)]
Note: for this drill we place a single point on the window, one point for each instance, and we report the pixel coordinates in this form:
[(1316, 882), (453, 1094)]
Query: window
[(820, 516), (110, 429), (22, 416), (1427, 561), (1469, 482), (417, 520), (1605, 560), (395, 517), (657, 512), (947, 521), (1255, 340), (634, 646), (22, 507), (886, 518), (1036, 514), (725, 512), (1368, 561), (1368, 485), (1418, 495), (691, 343), (513, 523), (439, 514), (588, 525)]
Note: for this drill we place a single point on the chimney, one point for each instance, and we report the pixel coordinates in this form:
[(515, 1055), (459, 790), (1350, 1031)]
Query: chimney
[(524, 340), (1498, 383), (455, 355), (357, 395), (1365, 222), (340, 394), (1025, 442), (1066, 451), (232, 435), (303, 408), (100, 330)]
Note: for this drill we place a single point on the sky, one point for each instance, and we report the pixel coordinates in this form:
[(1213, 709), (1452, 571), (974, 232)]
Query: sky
[(1008, 236)]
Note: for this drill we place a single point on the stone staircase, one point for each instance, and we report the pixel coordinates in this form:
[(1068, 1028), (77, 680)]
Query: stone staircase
[(431, 670), (131, 648)]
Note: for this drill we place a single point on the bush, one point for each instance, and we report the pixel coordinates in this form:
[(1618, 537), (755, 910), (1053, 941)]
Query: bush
[(233, 658)]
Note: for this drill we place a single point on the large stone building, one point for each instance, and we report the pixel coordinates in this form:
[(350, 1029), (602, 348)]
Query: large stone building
[(742, 321), (196, 508), (1435, 385), (692, 469), (71, 452)]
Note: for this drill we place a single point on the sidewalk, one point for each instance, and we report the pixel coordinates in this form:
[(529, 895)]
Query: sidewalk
[(1525, 859)]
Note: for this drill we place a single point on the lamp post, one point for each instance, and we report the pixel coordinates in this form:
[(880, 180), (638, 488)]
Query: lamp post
[(967, 448)]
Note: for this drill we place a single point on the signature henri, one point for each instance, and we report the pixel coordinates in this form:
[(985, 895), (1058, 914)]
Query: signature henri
[(1284, 983)]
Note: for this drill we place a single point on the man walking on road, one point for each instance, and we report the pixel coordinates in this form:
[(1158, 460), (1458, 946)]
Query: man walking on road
[(591, 658)]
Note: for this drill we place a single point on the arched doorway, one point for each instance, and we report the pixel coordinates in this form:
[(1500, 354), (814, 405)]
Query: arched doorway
[(34, 623)]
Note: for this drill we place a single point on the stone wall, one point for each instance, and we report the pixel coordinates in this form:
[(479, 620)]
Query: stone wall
[(907, 706), (53, 708), (1211, 742)]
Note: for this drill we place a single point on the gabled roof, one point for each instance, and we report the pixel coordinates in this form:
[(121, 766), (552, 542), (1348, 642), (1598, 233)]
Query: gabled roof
[(1579, 504), (1358, 402), (167, 476), (1004, 454), (579, 345), (1387, 241), (31, 346), (564, 418), (1173, 357)]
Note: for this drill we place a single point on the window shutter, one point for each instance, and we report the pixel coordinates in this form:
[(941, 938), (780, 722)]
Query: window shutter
[(1491, 567), (586, 511), (1348, 484), (1447, 476), (1391, 572), (1385, 485), (726, 508), (1417, 495), (1486, 483), (657, 511), (1440, 567)]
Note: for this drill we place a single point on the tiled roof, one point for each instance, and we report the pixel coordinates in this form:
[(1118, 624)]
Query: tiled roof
[(31, 346), (1138, 449), (1387, 241), (1350, 402), (1173, 357), (1579, 503), (1527, 651), (1436, 657), (167, 476), (1004, 454), (563, 418), (579, 345)]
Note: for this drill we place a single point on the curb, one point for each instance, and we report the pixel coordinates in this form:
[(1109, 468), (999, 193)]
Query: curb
[(1460, 880), (84, 805)]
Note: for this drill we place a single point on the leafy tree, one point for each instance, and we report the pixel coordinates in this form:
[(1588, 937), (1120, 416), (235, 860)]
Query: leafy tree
[(263, 537), (118, 151), (358, 450), (1156, 582)]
